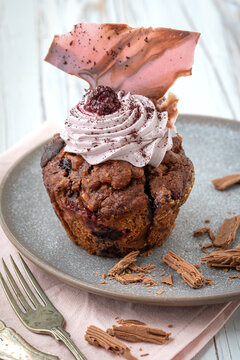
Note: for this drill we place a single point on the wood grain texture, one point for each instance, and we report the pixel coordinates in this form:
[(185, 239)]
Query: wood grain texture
[(33, 91)]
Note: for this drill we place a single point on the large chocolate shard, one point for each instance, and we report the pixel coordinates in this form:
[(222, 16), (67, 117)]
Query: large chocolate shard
[(143, 61)]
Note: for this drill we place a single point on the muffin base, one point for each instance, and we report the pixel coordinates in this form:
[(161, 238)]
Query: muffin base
[(146, 225)]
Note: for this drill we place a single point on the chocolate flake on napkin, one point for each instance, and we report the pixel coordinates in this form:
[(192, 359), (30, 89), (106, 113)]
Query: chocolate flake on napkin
[(138, 333), (97, 337)]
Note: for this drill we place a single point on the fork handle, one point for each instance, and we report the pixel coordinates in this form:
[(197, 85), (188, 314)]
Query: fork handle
[(60, 334)]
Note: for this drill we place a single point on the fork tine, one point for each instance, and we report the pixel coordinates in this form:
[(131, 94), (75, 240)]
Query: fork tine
[(34, 282), (10, 297), (25, 285), (15, 288)]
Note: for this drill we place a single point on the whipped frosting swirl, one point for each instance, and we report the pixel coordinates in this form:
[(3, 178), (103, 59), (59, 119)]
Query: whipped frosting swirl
[(137, 132)]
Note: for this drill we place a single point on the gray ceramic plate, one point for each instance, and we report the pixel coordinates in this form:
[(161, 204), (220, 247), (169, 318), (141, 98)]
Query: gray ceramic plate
[(32, 226)]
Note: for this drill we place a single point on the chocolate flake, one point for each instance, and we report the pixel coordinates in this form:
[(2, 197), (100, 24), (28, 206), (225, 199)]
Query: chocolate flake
[(227, 232), (209, 281), (97, 337), (206, 246), (160, 292), (139, 333), (128, 278), (224, 258), (123, 263), (188, 271), (167, 280), (226, 181), (149, 281), (204, 230), (200, 232), (126, 271), (130, 321), (234, 276)]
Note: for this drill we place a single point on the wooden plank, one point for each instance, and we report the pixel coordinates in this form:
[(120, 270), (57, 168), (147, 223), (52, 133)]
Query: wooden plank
[(208, 352), (215, 49), (212, 89), (229, 337), (19, 72)]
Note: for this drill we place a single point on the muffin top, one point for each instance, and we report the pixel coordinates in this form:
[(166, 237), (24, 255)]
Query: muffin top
[(115, 186)]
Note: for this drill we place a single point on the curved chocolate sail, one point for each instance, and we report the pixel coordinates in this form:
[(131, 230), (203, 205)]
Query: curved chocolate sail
[(143, 61)]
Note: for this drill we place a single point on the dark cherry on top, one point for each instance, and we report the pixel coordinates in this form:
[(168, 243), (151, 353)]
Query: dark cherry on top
[(102, 101)]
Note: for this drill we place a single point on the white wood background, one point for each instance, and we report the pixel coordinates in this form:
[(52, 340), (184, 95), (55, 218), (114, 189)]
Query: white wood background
[(33, 91)]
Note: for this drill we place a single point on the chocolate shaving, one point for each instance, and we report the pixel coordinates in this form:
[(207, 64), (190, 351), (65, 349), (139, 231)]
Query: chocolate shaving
[(128, 278), (167, 280), (144, 355), (149, 281), (227, 232), (159, 292), (211, 235), (206, 246), (234, 276), (126, 271), (209, 281), (226, 181), (188, 271), (204, 230), (97, 337), (138, 333), (200, 232), (144, 268), (123, 263), (130, 321), (224, 258)]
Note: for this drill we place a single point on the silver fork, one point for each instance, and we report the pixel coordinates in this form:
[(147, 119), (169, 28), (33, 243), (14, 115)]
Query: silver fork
[(41, 318)]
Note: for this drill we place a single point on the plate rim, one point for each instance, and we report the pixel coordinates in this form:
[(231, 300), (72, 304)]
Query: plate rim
[(97, 289)]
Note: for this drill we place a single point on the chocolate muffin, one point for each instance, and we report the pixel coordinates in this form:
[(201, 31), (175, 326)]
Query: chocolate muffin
[(113, 208), (115, 176)]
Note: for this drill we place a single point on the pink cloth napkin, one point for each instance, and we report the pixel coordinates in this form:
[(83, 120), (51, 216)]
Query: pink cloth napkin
[(192, 327)]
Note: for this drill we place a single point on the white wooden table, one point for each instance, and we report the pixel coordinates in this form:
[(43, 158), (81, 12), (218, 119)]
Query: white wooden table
[(32, 91)]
